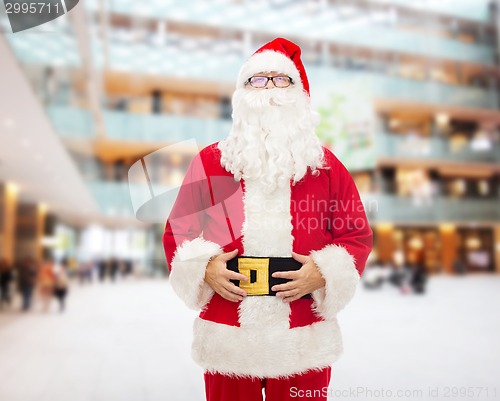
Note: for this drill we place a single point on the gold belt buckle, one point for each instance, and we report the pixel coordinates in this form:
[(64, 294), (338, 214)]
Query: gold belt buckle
[(261, 268)]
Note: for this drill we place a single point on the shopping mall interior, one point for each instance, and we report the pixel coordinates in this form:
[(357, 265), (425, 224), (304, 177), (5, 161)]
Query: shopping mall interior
[(93, 97), (101, 112)]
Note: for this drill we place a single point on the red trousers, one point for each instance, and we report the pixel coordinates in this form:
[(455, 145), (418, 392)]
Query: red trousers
[(310, 386)]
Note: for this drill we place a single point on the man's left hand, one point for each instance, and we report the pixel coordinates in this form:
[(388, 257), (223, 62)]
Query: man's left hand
[(303, 281)]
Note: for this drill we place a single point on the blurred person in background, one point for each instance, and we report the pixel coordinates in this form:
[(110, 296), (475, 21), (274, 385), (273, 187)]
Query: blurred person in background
[(399, 277), (61, 285), (85, 272), (45, 282), (27, 276), (418, 278), (128, 268), (114, 267), (406, 277), (6, 277), (459, 267), (396, 276), (102, 266), (268, 317), (49, 88), (374, 275)]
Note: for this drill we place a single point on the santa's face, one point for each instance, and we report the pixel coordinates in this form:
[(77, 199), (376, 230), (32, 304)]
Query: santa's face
[(273, 136), (254, 102)]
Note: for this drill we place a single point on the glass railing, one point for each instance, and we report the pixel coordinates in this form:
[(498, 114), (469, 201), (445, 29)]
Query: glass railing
[(391, 208), (433, 92), (71, 121), (76, 122), (360, 27), (120, 199), (468, 9), (435, 148), (225, 67), (120, 125), (164, 128), (394, 87), (53, 44), (384, 84), (113, 198), (410, 42)]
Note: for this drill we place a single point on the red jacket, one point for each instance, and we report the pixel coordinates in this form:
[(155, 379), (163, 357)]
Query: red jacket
[(321, 216)]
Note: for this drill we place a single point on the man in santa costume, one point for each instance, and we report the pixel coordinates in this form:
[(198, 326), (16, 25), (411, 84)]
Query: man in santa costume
[(268, 239)]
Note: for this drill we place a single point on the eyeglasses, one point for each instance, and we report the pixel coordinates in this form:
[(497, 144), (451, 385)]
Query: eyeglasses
[(261, 81)]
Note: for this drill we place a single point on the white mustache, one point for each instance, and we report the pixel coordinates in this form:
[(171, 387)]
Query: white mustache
[(256, 99)]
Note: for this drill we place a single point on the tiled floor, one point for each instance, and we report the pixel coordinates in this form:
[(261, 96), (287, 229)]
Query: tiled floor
[(125, 341), (130, 341)]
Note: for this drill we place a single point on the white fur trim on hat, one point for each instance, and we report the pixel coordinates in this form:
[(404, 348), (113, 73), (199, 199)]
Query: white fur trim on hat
[(266, 61), (187, 277), (337, 267)]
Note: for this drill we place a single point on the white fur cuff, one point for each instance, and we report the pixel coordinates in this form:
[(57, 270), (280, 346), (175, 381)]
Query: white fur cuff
[(188, 271), (337, 267)]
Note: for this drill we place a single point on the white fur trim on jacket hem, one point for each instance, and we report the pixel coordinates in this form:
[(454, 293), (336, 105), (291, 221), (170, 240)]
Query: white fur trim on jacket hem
[(258, 352), (337, 267), (188, 271)]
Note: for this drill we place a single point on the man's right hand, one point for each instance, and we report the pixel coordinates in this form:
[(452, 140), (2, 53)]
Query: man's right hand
[(217, 277)]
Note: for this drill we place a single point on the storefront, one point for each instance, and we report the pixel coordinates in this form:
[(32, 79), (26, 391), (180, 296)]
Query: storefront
[(444, 248), (476, 249)]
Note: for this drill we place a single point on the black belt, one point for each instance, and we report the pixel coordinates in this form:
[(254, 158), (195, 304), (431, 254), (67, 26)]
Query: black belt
[(259, 271)]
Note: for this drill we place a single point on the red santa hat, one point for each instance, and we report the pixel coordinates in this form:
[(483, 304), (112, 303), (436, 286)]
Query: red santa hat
[(279, 55)]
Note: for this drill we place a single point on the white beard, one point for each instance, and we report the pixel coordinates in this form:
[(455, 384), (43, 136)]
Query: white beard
[(273, 137)]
